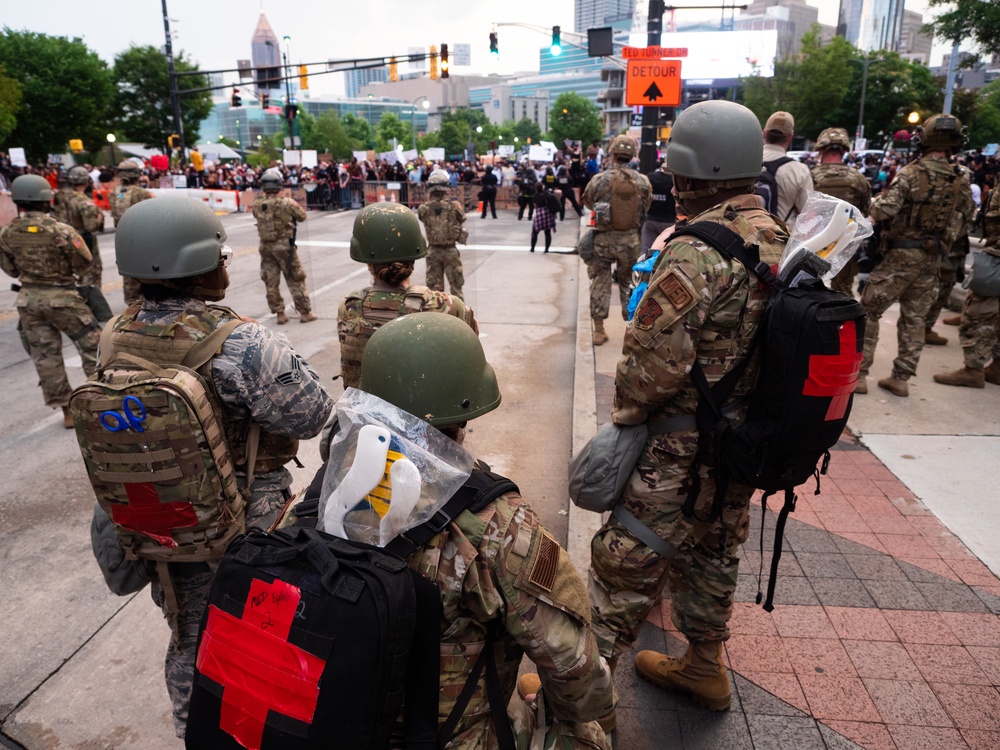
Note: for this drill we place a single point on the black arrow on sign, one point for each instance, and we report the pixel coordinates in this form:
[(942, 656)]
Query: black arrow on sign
[(653, 92)]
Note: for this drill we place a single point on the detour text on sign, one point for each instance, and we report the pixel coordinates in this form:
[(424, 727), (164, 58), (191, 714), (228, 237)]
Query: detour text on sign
[(655, 83)]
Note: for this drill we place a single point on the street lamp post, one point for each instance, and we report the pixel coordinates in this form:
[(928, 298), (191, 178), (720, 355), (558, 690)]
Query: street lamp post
[(413, 117), (913, 118), (111, 140), (369, 118), (239, 141)]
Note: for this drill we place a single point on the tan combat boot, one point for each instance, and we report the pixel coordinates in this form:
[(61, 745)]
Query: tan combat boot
[(600, 337), (282, 317), (992, 373), (862, 385), (895, 386), (967, 377), (307, 317), (953, 320), (67, 418), (700, 673), (933, 338)]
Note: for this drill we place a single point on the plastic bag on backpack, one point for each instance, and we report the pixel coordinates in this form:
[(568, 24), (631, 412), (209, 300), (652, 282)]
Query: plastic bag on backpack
[(827, 234), (389, 471)]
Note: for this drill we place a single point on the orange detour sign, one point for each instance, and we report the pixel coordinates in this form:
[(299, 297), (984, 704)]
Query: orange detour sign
[(654, 83)]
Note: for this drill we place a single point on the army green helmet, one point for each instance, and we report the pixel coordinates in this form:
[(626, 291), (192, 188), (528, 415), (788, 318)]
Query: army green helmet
[(941, 133), (432, 366), (387, 233), (624, 146), (30, 188), (168, 238), (77, 176), (834, 138), (716, 140), (271, 181)]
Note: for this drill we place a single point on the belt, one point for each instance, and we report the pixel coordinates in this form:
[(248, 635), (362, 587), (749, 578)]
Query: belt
[(681, 422)]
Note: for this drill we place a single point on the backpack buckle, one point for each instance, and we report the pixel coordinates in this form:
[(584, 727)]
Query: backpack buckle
[(438, 521)]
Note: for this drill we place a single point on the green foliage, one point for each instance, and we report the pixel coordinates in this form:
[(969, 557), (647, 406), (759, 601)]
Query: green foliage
[(66, 92), (329, 136), (525, 129), (574, 117), (10, 101), (823, 76), (984, 125), (143, 108), (389, 127), (978, 20), (458, 129), (359, 131)]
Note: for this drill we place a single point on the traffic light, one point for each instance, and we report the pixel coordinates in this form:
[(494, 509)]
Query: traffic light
[(235, 100), (303, 77), (556, 48), (393, 70), (173, 140), (494, 49), (291, 110), (434, 63), (444, 61), (265, 101)]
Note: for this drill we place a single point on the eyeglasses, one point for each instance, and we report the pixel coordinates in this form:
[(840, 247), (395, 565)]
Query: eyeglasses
[(227, 255)]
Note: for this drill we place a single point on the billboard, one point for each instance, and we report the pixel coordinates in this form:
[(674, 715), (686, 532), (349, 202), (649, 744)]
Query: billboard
[(721, 54)]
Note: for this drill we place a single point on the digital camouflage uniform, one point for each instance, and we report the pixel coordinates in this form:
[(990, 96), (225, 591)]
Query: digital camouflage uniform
[(121, 200), (443, 219), (257, 377), (848, 184), (276, 218), (366, 310), (613, 246), (926, 208), (501, 563), (697, 305), (979, 334), (80, 212), (49, 259)]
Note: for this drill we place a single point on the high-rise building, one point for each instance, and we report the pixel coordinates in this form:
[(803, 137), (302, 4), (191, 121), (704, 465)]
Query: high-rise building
[(871, 24), (595, 14), (266, 57), (790, 18), (915, 45), (356, 79)]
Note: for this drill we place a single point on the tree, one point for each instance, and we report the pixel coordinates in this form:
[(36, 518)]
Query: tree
[(360, 131), (10, 101), (574, 118), (329, 136), (388, 128), (66, 92), (984, 126), (764, 95), (525, 129), (969, 19), (823, 75), (459, 129), (144, 111)]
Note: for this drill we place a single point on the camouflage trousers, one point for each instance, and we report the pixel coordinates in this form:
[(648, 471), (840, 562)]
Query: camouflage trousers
[(441, 262), (979, 334), (908, 276), (274, 265), (533, 732), (627, 579), (947, 276), (192, 583), (622, 250), (44, 314), (843, 282)]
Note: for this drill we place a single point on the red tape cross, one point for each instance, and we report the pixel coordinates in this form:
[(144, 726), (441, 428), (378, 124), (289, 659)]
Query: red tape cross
[(836, 375), (145, 514), (258, 668)]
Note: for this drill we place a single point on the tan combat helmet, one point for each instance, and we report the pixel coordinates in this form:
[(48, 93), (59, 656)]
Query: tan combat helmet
[(624, 148), (834, 138), (128, 172), (941, 133)]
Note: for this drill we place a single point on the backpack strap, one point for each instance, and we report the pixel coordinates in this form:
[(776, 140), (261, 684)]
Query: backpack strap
[(779, 533), (730, 245)]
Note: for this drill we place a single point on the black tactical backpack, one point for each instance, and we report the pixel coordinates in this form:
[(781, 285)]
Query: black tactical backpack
[(767, 184)]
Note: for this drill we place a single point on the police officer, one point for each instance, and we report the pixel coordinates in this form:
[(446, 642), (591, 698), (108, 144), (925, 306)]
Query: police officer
[(619, 198), (832, 177), (926, 208), (497, 564), (128, 193), (524, 181), (50, 259), (176, 248), (387, 237), (443, 219), (698, 306), (662, 213), (277, 217)]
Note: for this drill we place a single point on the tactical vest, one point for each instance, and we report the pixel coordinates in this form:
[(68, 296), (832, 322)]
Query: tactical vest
[(274, 220), (838, 180), (619, 206), (442, 229), (40, 259), (124, 198), (933, 203)]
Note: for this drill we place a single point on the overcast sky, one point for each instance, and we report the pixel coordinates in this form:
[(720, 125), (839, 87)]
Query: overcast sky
[(216, 33)]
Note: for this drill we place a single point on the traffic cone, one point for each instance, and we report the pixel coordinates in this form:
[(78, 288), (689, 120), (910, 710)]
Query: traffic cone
[(479, 207)]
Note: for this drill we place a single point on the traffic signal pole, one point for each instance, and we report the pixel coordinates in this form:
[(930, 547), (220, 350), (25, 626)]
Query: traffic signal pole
[(650, 115), (174, 96)]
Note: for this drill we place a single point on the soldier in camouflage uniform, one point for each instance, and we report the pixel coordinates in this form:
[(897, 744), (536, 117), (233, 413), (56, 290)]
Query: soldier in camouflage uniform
[(443, 219), (698, 305), (616, 235), (979, 333), (498, 564), (832, 177), (387, 237), (50, 259), (926, 208), (176, 250), (277, 217), (121, 199)]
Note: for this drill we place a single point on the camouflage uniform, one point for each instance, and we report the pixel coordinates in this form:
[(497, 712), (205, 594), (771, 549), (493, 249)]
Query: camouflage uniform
[(979, 334), (364, 311), (80, 212), (929, 205), (697, 305), (948, 268), (502, 564), (49, 258), (620, 247), (120, 201), (276, 217), (257, 377), (443, 219), (848, 184)]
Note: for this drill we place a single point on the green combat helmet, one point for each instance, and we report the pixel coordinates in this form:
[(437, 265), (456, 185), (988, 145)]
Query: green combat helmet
[(834, 138), (624, 148), (431, 366), (941, 133), (77, 176), (717, 141), (387, 233), (30, 188), (168, 238), (271, 181)]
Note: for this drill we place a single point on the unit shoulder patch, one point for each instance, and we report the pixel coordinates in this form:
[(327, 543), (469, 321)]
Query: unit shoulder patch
[(677, 289)]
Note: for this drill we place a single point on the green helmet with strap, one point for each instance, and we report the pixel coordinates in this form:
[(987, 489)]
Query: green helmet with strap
[(168, 238), (717, 141), (30, 188), (387, 233), (77, 176), (432, 366), (271, 181)]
